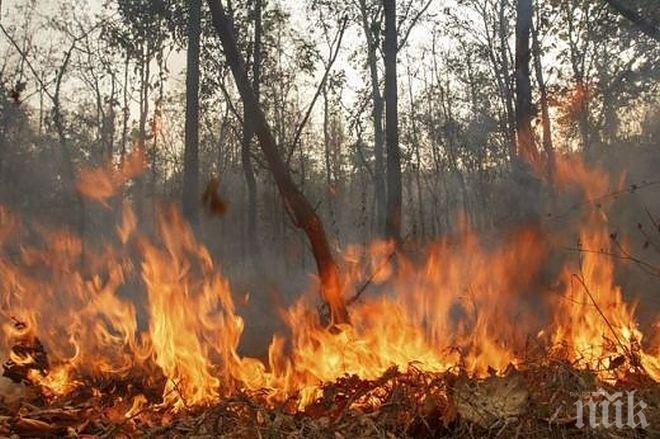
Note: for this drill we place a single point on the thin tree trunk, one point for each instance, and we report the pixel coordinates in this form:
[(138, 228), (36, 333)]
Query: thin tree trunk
[(418, 159), (393, 222), (61, 133), (300, 209), (126, 111), (525, 139), (545, 114), (378, 107), (190, 193), (330, 190), (246, 154), (508, 92), (110, 119), (145, 78)]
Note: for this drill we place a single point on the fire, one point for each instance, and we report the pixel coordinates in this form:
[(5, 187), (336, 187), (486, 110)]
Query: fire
[(593, 320), (156, 310), (104, 182)]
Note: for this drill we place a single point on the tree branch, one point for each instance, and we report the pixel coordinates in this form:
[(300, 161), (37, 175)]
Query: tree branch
[(648, 28), (414, 21), (338, 39), (25, 58)]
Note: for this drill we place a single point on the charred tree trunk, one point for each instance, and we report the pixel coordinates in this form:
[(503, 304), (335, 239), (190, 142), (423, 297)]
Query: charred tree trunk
[(190, 193), (302, 212), (390, 48), (525, 139)]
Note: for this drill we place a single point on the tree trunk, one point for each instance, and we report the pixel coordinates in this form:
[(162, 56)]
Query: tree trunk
[(125, 109), (145, 78), (525, 139), (377, 102), (300, 209), (506, 77), (64, 146), (190, 193), (418, 159), (545, 114), (248, 133), (393, 222)]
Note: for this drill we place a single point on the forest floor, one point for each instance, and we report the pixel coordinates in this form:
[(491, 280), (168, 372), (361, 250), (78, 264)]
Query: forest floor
[(537, 399)]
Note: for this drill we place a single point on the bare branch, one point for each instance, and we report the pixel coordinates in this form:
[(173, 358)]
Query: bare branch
[(338, 39), (414, 21)]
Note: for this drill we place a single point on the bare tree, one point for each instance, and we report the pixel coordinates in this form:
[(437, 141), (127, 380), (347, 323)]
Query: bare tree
[(190, 193), (55, 97), (248, 133), (525, 138), (543, 92), (390, 49), (300, 209)]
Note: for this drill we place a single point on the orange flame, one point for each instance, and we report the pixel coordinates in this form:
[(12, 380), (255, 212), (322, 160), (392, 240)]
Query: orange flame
[(464, 304)]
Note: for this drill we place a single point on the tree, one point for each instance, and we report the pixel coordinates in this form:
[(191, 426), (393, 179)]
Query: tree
[(368, 26), (248, 133), (190, 192), (390, 49), (300, 209), (144, 32), (55, 97), (524, 111), (543, 92)]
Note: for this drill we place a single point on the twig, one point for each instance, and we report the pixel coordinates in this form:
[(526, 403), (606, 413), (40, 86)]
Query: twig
[(413, 22), (120, 425), (178, 391), (338, 39), (374, 273), (646, 267), (600, 311), (632, 188)]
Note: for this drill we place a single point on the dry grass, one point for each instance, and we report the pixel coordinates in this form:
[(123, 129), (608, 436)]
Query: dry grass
[(534, 400)]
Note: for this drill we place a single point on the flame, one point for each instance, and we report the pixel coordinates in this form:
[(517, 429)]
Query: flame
[(102, 183), (462, 304), (593, 322)]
